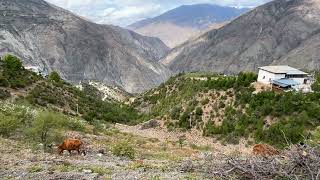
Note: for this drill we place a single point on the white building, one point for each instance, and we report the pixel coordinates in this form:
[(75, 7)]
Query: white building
[(284, 77)]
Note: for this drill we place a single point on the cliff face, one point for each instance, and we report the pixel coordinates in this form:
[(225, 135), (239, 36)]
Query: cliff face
[(56, 40), (279, 32)]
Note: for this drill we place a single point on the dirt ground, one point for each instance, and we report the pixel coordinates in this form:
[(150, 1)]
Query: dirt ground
[(158, 156)]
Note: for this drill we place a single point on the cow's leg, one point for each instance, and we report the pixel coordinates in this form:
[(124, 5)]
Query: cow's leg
[(70, 152), (60, 152), (78, 151)]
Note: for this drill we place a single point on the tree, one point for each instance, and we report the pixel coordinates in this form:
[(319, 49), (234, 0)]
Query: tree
[(55, 77), (12, 63), (45, 128)]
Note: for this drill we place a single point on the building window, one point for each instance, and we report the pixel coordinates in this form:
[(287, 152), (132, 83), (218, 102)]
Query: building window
[(264, 77)]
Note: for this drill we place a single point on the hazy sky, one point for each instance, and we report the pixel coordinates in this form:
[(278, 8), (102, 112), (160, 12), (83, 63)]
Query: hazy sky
[(125, 12)]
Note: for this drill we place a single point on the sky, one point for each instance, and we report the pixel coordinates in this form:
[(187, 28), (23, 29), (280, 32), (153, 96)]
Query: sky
[(125, 12)]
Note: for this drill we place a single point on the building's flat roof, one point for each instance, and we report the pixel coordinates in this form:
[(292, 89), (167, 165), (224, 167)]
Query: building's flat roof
[(285, 82), (283, 70)]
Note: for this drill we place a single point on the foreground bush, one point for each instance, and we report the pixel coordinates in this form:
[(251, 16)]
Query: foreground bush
[(46, 128), (36, 125), (8, 125)]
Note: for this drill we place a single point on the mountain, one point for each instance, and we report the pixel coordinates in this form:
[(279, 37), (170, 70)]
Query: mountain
[(187, 21), (54, 39), (279, 32)]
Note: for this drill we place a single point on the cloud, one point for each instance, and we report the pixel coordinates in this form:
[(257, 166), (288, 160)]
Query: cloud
[(125, 12)]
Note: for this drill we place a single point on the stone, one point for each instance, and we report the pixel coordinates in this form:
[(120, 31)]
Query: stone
[(150, 124)]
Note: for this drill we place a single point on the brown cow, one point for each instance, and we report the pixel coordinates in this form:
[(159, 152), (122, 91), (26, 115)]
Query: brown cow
[(264, 150), (69, 145)]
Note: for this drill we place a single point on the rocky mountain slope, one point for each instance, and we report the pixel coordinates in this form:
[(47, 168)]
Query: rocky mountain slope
[(187, 21), (279, 32), (56, 40)]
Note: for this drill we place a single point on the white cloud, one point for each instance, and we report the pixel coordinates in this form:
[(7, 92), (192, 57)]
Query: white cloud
[(124, 12)]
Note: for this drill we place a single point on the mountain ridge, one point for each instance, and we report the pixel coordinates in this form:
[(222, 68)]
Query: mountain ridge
[(56, 40), (279, 32), (187, 21)]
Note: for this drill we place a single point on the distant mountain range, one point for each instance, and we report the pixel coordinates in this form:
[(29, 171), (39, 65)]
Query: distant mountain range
[(54, 39), (178, 25), (279, 32)]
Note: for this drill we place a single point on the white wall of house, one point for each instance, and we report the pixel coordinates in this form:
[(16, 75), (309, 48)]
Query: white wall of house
[(299, 80), (266, 77)]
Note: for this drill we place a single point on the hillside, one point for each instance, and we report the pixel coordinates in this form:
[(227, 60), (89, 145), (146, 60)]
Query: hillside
[(53, 93), (54, 39), (37, 114), (279, 32), (229, 109), (187, 21)]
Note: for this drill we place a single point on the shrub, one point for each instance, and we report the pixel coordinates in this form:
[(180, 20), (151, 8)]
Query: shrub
[(123, 149), (12, 73), (205, 101), (316, 86), (55, 77), (315, 137), (46, 128), (4, 94), (175, 113), (12, 63), (8, 125)]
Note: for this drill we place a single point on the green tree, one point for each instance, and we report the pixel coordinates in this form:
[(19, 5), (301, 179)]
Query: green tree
[(8, 124), (55, 77), (46, 128), (12, 63)]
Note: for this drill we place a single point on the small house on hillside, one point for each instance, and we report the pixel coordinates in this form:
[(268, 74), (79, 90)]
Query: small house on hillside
[(284, 78)]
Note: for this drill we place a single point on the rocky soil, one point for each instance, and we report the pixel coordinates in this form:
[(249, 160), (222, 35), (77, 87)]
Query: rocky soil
[(157, 157)]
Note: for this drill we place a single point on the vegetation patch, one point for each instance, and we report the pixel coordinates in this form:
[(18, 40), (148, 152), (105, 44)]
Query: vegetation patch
[(124, 149)]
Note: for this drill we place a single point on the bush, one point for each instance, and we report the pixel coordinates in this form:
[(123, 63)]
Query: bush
[(55, 77), (4, 94), (12, 63), (316, 86), (315, 137), (123, 149), (8, 125), (175, 113), (12, 73), (46, 128)]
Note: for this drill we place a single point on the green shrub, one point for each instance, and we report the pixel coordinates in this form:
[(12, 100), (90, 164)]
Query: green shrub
[(46, 128), (8, 125), (123, 149), (55, 77), (12, 73), (175, 113), (12, 63), (205, 101), (315, 137), (4, 94), (316, 86)]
